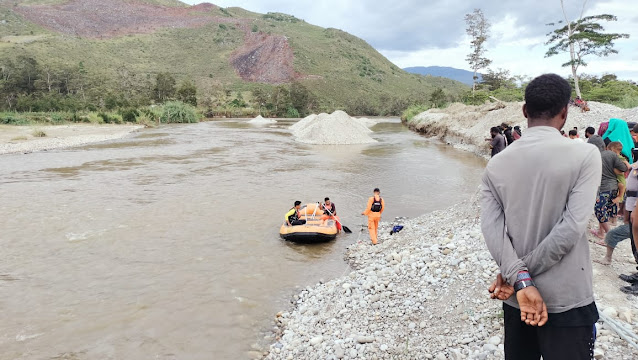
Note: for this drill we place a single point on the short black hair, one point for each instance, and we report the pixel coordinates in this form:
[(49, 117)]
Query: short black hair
[(573, 132), (590, 130), (297, 203), (576, 128), (635, 129), (376, 190), (546, 96), (495, 129), (326, 199)]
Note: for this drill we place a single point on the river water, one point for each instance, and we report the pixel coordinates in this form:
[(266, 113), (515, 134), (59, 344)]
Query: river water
[(165, 245)]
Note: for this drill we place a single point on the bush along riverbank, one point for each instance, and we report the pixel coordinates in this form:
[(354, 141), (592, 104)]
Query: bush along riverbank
[(168, 113), (419, 294)]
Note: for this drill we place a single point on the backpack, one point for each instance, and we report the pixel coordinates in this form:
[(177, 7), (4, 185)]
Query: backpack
[(376, 205)]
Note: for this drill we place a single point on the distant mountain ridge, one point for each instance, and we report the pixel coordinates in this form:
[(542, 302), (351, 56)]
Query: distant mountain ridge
[(464, 76)]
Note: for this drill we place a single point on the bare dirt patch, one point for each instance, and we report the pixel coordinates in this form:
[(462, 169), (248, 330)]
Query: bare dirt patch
[(264, 58), (105, 19)]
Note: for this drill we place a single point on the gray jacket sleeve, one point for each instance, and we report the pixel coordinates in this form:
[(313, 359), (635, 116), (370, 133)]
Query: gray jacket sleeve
[(619, 164), (573, 224), (495, 233)]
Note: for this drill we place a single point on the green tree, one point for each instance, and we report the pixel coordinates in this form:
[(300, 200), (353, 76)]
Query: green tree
[(581, 38), (260, 98), (496, 79), (27, 73), (478, 27), (281, 100), (164, 87), (187, 93), (438, 97), (301, 98)]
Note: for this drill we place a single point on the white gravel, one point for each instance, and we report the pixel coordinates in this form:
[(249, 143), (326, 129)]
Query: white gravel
[(466, 127), (420, 294), (337, 128), (259, 120)]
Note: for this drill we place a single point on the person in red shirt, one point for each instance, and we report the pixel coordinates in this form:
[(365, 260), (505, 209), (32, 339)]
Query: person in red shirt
[(330, 212)]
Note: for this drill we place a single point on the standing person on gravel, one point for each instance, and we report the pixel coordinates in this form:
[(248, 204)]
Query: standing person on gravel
[(538, 236), (626, 230), (605, 208), (507, 132), (375, 208), (594, 139), (497, 142), (632, 215)]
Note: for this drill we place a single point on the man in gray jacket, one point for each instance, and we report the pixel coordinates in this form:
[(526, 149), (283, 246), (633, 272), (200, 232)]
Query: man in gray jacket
[(536, 202)]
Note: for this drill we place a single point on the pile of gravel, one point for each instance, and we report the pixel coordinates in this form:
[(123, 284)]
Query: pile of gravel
[(420, 294), (337, 128), (259, 120)]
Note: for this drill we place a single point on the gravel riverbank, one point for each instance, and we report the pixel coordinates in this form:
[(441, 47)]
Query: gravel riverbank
[(23, 139), (422, 294)]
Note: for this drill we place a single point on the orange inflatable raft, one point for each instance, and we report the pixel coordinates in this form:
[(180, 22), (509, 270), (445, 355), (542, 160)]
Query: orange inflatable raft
[(315, 230)]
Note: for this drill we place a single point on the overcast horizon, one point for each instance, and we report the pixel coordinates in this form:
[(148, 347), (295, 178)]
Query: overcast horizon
[(411, 34)]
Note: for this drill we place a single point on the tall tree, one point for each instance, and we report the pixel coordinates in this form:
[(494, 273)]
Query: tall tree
[(164, 87), (187, 92), (478, 27), (582, 37)]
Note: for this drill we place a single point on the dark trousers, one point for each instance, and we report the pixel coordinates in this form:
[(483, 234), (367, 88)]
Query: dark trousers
[(298, 222), (524, 342), (631, 237)]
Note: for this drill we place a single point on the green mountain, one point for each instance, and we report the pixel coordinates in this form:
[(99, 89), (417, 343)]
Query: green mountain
[(120, 45)]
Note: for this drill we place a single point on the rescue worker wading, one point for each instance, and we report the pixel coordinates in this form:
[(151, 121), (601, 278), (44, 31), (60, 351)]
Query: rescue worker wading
[(292, 216), (375, 208)]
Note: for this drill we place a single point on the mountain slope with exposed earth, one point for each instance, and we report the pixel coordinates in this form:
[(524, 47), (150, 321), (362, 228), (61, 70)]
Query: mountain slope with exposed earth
[(218, 48)]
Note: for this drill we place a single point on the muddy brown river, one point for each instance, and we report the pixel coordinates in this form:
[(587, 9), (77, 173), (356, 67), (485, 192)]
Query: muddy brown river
[(165, 245)]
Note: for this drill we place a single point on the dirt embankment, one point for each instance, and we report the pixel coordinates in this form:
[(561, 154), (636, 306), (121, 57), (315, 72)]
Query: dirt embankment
[(466, 127)]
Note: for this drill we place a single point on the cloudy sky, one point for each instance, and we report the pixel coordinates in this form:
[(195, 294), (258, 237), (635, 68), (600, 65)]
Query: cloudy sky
[(432, 32)]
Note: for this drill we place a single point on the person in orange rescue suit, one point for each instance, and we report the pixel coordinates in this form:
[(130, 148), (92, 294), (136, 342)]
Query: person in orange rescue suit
[(375, 208)]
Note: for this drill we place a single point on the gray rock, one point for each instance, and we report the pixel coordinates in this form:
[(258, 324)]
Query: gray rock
[(365, 339), (494, 340), (316, 340), (339, 352), (353, 353), (490, 348)]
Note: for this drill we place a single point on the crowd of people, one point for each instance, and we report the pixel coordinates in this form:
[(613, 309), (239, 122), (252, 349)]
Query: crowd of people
[(502, 136), (538, 237)]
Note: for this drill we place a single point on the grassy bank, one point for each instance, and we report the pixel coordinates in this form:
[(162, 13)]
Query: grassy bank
[(171, 112)]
